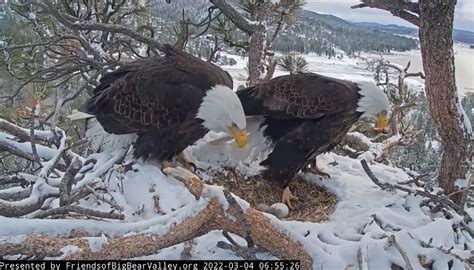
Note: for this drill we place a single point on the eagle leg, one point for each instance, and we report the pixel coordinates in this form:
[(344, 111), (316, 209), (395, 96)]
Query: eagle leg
[(181, 157), (287, 196), (313, 168)]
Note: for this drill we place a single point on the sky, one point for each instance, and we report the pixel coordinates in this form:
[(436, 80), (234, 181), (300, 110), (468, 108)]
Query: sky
[(463, 17)]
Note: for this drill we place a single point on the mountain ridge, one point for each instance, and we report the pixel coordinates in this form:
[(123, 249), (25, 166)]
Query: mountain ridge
[(459, 35)]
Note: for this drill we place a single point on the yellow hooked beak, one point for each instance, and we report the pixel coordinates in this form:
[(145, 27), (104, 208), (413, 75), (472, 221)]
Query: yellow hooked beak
[(240, 135), (381, 121)]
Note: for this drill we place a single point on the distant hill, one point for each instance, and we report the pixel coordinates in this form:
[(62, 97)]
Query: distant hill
[(458, 35), (312, 32)]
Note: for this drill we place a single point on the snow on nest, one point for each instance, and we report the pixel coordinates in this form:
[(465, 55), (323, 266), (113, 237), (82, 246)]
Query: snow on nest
[(332, 244), (365, 215)]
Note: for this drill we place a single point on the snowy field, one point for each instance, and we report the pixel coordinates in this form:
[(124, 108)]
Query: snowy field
[(356, 236)]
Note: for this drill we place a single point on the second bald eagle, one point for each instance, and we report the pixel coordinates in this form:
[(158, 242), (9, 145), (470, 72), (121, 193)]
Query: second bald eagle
[(304, 115)]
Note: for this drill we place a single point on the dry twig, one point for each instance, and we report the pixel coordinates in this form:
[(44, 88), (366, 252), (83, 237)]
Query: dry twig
[(441, 200), (393, 241)]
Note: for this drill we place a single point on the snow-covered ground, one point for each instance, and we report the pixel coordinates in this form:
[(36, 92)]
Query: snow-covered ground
[(364, 219), (346, 68)]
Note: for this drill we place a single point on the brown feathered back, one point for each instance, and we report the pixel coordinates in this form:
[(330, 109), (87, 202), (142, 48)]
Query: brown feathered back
[(302, 96), (153, 92)]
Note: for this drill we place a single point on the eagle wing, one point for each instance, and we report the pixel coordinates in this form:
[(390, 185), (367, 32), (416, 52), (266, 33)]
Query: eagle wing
[(154, 92), (303, 95)]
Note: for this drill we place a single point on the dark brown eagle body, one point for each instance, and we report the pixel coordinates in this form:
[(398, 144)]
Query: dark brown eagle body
[(304, 115), (157, 98)]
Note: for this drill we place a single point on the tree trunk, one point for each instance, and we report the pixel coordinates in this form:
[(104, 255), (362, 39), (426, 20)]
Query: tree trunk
[(256, 54), (258, 44), (436, 28)]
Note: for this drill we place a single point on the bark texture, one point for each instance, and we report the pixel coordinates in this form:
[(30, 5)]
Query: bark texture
[(247, 223), (436, 28), (435, 20), (257, 31)]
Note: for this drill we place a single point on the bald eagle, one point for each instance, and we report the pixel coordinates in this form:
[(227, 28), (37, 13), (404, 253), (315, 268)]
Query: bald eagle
[(304, 115), (169, 102)]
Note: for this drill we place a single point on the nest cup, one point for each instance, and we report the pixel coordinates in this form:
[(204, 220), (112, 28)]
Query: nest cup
[(315, 204)]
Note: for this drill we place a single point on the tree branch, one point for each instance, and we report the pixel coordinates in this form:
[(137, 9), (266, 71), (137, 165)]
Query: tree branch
[(78, 24), (403, 9), (67, 209), (230, 12), (441, 200), (393, 241)]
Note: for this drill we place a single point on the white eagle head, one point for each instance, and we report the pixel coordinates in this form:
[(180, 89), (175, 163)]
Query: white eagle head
[(373, 103), (221, 111)]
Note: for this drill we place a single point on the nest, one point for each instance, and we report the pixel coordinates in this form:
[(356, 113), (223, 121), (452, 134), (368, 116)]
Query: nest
[(315, 204)]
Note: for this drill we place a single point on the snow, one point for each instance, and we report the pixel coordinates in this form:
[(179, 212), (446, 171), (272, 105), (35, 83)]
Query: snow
[(96, 243), (69, 250), (97, 47), (465, 123), (364, 218), (31, 16)]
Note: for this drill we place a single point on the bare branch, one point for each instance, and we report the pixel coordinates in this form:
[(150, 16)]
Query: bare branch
[(403, 9), (24, 134), (32, 135), (393, 241), (24, 207), (468, 262), (237, 18), (12, 148), (67, 209), (67, 181), (12, 179), (14, 194), (78, 24), (441, 200)]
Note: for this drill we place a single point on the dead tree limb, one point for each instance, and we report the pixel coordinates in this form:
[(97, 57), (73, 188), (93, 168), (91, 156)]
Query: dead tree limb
[(67, 209), (15, 194), (247, 253), (441, 200), (469, 262), (32, 136), (67, 181), (214, 216), (12, 148), (24, 207)]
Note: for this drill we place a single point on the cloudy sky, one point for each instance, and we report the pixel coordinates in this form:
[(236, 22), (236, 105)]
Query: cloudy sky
[(463, 17)]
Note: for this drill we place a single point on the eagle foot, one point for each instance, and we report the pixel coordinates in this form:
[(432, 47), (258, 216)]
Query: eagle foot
[(287, 196), (188, 165)]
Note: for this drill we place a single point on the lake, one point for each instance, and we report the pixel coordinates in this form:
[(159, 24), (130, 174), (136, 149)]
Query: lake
[(464, 64)]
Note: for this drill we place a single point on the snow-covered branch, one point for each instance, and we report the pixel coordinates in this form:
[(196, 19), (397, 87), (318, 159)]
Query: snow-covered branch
[(441, 200), (220, 211), (23, 193)]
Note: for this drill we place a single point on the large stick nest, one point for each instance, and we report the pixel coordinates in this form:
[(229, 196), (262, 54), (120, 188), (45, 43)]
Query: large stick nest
[(315, 203)]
